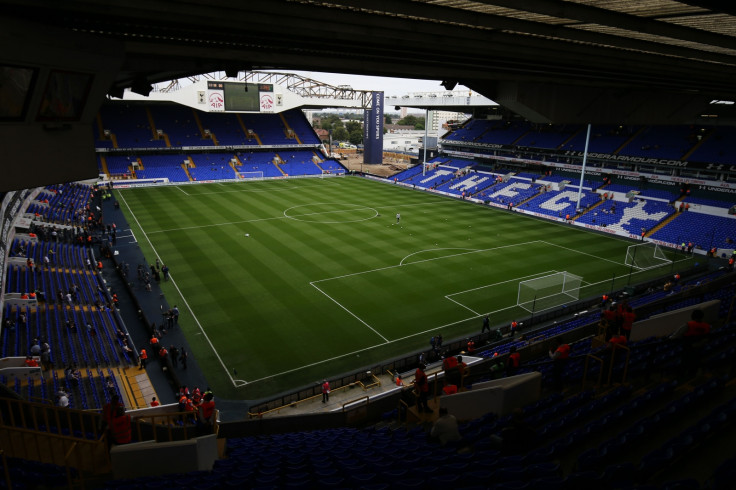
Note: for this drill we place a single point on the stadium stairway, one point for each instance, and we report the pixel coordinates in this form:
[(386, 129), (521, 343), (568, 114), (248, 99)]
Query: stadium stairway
[(154, 132), (529, 198), (591, 208), (629, 140), (697, 145), (201, 128), (245, 131), (278, 157), (662, 224), (571, 137), (288, 131)]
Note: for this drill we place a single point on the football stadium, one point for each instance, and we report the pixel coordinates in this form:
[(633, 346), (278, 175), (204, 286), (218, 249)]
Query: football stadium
[(200, 288)]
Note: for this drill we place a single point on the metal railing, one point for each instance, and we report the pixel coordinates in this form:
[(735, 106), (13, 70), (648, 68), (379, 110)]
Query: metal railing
[(55, 435)]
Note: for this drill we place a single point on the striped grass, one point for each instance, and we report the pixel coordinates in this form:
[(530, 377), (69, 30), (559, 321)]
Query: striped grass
[(327, 281)]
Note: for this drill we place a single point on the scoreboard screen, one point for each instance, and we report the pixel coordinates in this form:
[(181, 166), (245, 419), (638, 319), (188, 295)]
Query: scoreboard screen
[(237, 98)]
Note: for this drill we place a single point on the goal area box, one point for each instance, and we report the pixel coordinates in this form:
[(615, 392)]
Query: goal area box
[(645, 256), (550, 291), (258, 175)]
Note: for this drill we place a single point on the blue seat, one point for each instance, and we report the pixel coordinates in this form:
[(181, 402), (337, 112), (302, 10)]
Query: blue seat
[(687, 484), (361, 479), (411, 483), (512, 485), (331, 482), (448, 480), (548, 483)]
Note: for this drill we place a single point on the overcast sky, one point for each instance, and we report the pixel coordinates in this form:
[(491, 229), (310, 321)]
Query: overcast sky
[(390, 86)]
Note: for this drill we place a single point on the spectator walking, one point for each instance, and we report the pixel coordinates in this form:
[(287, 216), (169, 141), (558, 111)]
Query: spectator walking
[(174, 353), (325, 391), (421, 385), (183, 357), (560, 356), (445, 429), (486, 324), (513, 361)]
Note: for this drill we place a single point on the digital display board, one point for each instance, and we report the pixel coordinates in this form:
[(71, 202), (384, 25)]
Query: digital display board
[(15, 88), (241, 97), (65, 96)]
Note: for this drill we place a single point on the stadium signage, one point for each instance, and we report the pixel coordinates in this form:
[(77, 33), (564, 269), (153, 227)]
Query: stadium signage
[(495, 146), (718, 189), (601, 228), (178, 149), (627, 158), (623, 173), (533, 213)]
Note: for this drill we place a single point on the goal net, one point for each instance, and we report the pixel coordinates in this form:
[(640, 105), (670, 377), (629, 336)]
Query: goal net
[(646, 256), (543, 293), (332, 173), (258, 175)]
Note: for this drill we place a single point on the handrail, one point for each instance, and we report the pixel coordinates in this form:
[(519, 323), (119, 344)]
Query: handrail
[(40, 400), (626, 362), (366, 398), (6, 472), (66, 464), (588, 357), (376, 382), (169, 422), (303, 400)]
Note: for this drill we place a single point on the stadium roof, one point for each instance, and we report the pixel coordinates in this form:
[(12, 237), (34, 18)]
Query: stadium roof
[(668, 59)]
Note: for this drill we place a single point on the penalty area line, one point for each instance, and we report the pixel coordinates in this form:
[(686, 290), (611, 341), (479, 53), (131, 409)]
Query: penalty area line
[(460, 304), (350, 312)]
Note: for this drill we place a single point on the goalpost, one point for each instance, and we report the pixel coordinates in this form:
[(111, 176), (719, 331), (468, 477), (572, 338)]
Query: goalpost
[(543, 293), (257, 175), (645, 256), (331, 173)]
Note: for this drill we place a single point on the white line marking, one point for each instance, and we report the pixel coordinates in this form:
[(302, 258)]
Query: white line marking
[(316, 363), (431, 249), (448, 296), (584, 253), (186, 303), (358, 207), (216, 224), (502, 282), (284, 185), (406, 337), (425, 260), (460, 304), (180, 188), (350, 312), (266, 219)]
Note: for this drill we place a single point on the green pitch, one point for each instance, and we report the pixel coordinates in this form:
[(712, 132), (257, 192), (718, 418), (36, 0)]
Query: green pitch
[(287, 282)]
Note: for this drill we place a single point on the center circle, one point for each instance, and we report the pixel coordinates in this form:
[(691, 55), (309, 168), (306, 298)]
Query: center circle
[(328, 212)]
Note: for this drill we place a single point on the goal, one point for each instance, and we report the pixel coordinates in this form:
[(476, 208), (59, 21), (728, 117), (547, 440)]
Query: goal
[(543, 293), (258, 175), (646, 256), (332, 173)]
